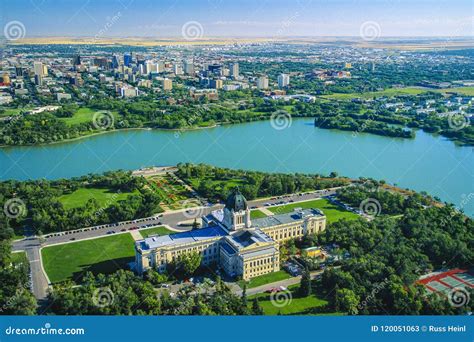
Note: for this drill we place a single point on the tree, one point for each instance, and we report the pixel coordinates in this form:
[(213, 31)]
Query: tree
[(347, 301), (188, 263), (256, 308), (305, 284)]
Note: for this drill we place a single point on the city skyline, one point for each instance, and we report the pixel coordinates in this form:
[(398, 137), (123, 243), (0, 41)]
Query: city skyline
[(216, 18)]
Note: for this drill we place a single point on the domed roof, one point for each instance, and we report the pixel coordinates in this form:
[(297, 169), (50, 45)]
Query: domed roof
[(236, 201)]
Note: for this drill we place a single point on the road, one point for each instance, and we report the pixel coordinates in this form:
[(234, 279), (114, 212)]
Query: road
[(172, 219)]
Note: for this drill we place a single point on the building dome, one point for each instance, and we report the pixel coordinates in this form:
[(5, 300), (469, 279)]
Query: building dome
[(236, 201)]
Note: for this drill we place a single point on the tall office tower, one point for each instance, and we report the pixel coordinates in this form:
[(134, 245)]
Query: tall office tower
[(262, 82), (127, 59), (45, 70), (234, 70), (167, 84), (283, 80), (76, 60), (18, 71), (38, 80), (115, 62), (189, 67), (38, 68), (216, 69), (178, 69), (160, 67)]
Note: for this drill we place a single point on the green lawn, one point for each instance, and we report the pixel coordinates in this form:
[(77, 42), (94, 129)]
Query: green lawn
[(295, 304), (387, 92), (255, 214), (80, 197), (12, 111), (155, 231), (102, 255), (467, 91), (82, 115), (19, 257), (265, 279), (333, 212)]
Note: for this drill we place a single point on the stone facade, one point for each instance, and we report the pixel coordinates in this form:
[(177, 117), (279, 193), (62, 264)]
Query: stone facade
[(232, 241)]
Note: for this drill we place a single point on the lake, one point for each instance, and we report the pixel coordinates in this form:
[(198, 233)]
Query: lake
[(427, 163)]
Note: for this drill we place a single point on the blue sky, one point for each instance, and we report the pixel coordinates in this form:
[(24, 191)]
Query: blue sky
[(165, 18)]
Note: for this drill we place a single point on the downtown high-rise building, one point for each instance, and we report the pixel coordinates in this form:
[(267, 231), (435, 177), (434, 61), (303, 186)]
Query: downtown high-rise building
[(283, 80), (234, 70), (189, 67), (262, 82)]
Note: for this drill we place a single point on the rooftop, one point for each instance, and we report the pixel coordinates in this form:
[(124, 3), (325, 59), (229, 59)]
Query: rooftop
[(180, 238)]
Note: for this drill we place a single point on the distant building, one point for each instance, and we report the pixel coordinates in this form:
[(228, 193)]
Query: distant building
[(216, 84), (38, 69), (262, 82), (167, 84), (283, 80), (234, 70), (63, 96), (230, 239), (115, 62), (76, 60), (189, 67), (128, 92), (127, 59)]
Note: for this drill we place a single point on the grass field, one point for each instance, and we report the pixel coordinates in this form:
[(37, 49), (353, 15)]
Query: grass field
[(155, 231), (255, 214), (467, 91), (265, 279), (82, 115), (12, 111), (387, 92), (333, 213), (102, 255), (80, 197), (294, 303), (19, 257)]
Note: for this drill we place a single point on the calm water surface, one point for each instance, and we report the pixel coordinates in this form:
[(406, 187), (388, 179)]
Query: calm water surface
[(428, 163)]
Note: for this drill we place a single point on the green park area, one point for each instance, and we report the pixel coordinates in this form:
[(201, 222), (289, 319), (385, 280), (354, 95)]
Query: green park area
[(333, 212), (19, 258), (102, 255), (82, 115), (256, 214), (265, 279), (80, 197), (467, 91), (288, 302), (155, 231)]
